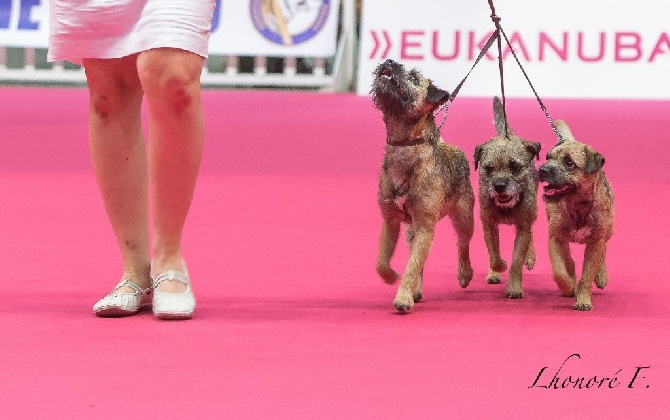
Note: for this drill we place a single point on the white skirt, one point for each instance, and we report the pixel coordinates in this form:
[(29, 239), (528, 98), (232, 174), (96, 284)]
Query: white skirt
[(117, 28)]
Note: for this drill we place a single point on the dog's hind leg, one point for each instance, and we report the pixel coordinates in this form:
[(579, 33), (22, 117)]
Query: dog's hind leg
[(602, 278), (522, 242), (409, 236), (562, 266), (594, 256), (570, 266), (463, 222), (496, 264), (387, 243), (530, 256)]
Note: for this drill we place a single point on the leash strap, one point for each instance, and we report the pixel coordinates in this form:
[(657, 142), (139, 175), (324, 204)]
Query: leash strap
[(542, 107), (496, 21), (498, 35), (494, 36)]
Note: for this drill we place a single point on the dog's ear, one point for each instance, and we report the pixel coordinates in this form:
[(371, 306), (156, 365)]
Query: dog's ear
[(435, 95), (478, 155), (533, 148), (593, 161)]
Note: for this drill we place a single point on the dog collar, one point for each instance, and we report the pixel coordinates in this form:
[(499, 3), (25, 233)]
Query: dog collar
[(410, 142)]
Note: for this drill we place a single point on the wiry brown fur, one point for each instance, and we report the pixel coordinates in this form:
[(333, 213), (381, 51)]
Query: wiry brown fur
[(580, 208), (422, 179), (508, 184)]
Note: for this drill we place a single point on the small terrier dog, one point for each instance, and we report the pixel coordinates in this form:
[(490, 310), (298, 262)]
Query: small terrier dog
[(422, 179), (580, 208), (508, 183)]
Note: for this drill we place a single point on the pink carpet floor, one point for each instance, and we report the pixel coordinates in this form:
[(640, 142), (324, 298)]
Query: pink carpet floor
[(292, 320)]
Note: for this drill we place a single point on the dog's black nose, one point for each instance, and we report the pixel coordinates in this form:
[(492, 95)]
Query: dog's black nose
[(390, 65), (500, 186), (544, 172)]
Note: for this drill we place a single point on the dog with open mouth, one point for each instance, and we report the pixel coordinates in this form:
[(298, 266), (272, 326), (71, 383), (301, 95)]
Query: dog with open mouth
[(508, 183), (422, 179), (580, 208)]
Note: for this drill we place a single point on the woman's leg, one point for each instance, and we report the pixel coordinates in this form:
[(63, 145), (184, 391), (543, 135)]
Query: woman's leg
[(171, 82), (119, 158)]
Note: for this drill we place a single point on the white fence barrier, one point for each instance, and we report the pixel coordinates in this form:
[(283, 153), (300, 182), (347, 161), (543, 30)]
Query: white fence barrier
[(336, 73)]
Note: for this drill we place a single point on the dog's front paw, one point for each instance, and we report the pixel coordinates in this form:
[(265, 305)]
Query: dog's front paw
[(417, 296), (464, 276), (402, 307), (514, 288), (494, 278), (403, 301), (582, 306)]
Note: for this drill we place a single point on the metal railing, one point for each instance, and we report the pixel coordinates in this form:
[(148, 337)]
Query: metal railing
[(337, 73)]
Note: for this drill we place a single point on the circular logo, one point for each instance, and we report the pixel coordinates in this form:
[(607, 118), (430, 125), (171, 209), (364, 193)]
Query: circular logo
[(289, 22)]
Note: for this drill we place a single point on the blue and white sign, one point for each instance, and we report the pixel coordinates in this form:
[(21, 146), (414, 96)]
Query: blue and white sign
[(276, 28), (289, 23), (24, 23), (305, 28)]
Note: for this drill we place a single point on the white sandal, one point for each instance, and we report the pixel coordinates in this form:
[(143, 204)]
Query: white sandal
[(123, 303), (168, 305)]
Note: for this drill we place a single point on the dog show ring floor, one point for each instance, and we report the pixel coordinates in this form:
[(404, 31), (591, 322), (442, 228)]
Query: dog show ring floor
[(292, 320)]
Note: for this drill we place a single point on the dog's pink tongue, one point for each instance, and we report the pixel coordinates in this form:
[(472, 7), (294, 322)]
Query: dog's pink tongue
[(504, 198), (554, 191)]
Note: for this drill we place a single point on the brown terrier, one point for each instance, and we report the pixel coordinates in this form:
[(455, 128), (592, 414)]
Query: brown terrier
[(422, 179), (508, 183), (580, 207)]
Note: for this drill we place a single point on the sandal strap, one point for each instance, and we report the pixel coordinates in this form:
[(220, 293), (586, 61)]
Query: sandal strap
[(129, 283), (172, 275)]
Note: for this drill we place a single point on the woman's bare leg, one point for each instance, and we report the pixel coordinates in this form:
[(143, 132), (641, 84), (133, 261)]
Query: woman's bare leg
[(171, 82), (119, 158)]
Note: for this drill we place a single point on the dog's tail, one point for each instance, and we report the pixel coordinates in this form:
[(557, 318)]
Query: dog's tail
[(499, 120), (564, 130)]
